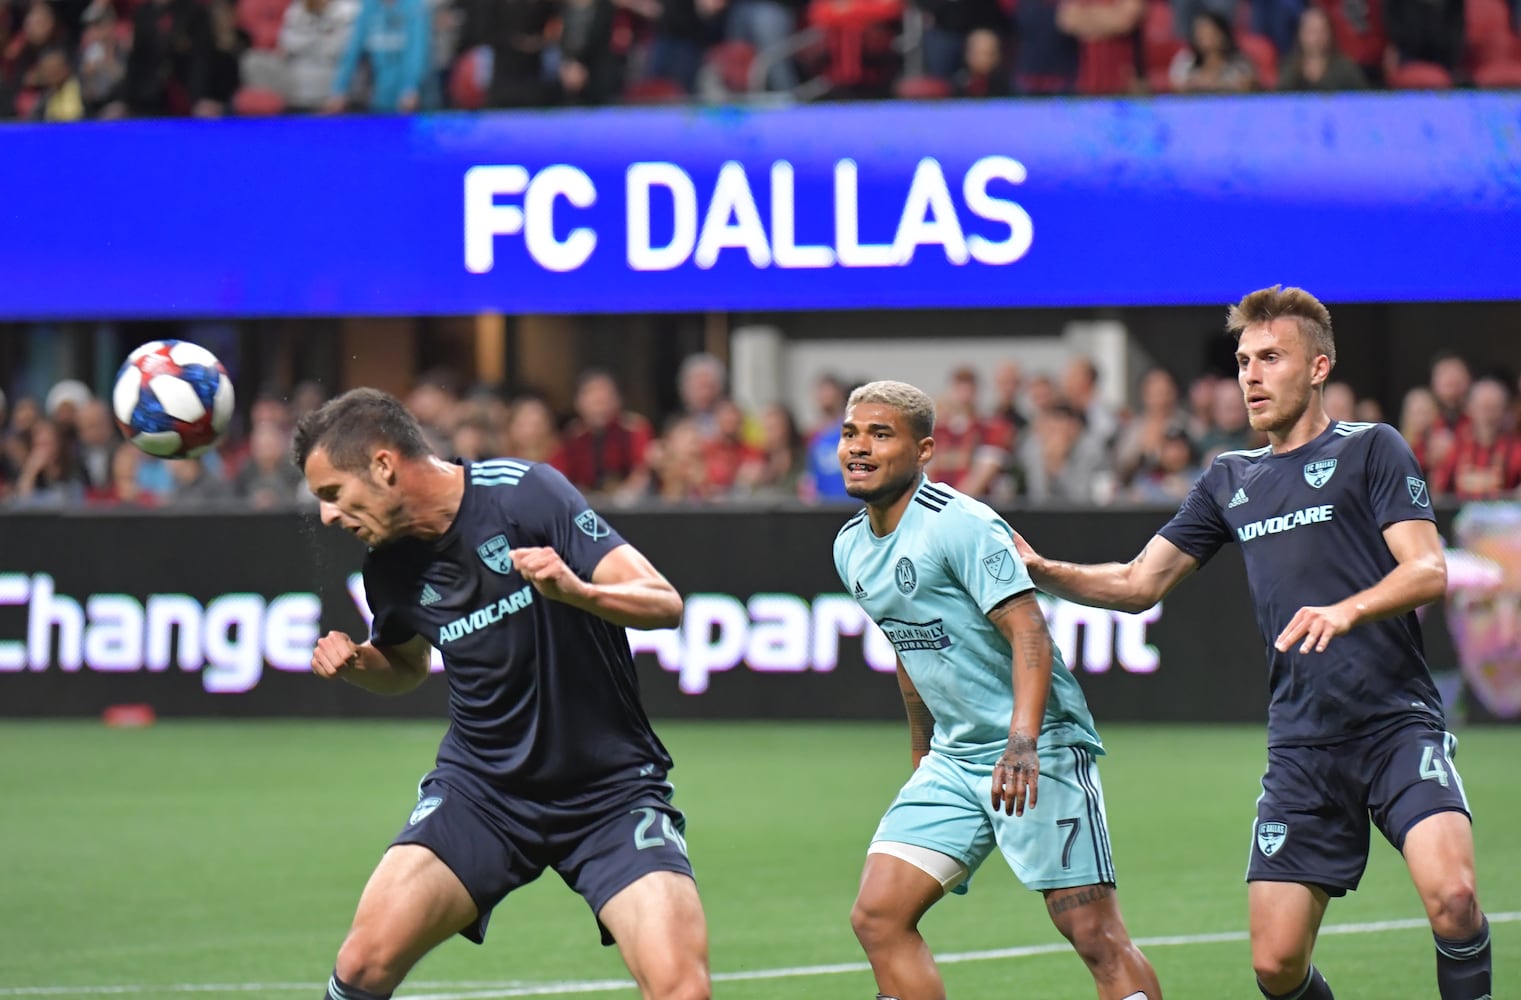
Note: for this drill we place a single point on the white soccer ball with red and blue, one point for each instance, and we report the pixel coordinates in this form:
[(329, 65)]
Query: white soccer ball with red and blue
[(172, 399)]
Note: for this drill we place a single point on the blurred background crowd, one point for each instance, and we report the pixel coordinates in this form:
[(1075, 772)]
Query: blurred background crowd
[(65, 60), (1013, 436)]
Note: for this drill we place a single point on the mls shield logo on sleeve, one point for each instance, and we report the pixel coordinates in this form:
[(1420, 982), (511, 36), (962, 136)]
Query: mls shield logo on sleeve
[(1317, 474), (1418, 494), (1270, 837), (496, 553), (1000, 566), (592, 526)]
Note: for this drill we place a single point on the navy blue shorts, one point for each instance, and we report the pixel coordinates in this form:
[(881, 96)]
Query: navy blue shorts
[(1317, 803), (496, 843)]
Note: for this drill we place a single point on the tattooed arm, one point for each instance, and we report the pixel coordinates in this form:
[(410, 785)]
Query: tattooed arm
[(921, 724), (1132, 586), (1016, 776)]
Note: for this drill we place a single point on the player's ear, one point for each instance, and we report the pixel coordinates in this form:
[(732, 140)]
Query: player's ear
[(1320, 371), (383, 467), (926, 450)]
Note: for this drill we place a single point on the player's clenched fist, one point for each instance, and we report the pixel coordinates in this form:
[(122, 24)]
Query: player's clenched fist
[(544, 568), (335, 652)]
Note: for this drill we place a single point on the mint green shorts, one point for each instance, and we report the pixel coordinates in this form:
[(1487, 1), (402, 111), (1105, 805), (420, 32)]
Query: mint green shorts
[(1063, 842)]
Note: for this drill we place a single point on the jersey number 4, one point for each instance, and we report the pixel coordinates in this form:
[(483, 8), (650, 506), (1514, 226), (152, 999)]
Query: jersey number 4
[(1433, 766), (644, 839)]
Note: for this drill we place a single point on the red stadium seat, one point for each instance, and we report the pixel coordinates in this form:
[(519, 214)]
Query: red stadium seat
[(257, 102), (1420, 76), (1160, 41), (922, 88), (853, 32), (655, 90), (467, 86), (1263, 56), (1501, 74), (1488, 33)]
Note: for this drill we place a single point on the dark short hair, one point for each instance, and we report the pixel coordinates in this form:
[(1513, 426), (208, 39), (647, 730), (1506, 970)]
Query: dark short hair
[(350, 427)]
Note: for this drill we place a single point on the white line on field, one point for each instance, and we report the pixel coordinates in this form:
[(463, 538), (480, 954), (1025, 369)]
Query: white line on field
[(507, 991)]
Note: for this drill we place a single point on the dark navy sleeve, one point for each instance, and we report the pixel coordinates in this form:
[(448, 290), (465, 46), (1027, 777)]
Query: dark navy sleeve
[(1396, 486), (1198, 528), (557, 515), (386, 627)]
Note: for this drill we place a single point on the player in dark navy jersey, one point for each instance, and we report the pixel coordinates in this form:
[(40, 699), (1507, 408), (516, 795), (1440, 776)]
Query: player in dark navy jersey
[(549, 760), (1335, 525)]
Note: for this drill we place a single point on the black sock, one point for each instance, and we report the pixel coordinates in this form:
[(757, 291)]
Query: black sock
[(337, 989), (1313, 988), (1464, 968)]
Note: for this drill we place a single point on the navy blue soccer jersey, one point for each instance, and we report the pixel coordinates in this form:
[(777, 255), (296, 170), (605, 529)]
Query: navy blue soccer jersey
[(1310, 525), (543, 697)]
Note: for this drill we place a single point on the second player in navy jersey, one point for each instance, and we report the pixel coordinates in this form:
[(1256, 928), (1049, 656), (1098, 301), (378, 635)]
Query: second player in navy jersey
[(549, 760), (1335, 525)]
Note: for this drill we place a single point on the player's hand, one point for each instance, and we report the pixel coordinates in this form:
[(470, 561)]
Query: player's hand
[(1316, 627), (1030, 557), (1016, 777), (548, 573), (335, 653)]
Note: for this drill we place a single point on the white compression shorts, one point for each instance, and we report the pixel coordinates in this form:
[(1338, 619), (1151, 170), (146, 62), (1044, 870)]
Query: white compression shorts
[(941, 867)]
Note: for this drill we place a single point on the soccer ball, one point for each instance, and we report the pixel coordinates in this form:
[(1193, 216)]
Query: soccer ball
[(172, 399)]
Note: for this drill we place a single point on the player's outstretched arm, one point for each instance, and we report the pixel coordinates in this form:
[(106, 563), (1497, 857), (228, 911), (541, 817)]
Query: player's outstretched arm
[(379, 669), (625, 588), (1132, 586), (1419, 578), (921, 722)]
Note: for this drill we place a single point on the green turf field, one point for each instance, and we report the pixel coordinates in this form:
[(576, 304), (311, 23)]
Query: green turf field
[(224, 860)]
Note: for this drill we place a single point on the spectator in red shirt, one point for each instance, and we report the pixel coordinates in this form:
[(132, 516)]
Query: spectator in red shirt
[(1419, 427), (604, 448), (727, 451), (960, 431), (1485, 463), (1109, 31), (1450, 381)]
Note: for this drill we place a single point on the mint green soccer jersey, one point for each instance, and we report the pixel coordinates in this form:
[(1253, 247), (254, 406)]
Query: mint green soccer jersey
[(929, 586)]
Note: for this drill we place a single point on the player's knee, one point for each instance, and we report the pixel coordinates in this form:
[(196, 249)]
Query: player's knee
[(1098, 942), (1454, 907), (679, 984), (875, 922), (369, 963), (1277, 971), (689, 988)]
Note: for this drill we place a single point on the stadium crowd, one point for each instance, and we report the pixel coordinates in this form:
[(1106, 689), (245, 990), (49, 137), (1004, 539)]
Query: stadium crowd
[(65, 60), (1020, 438)]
